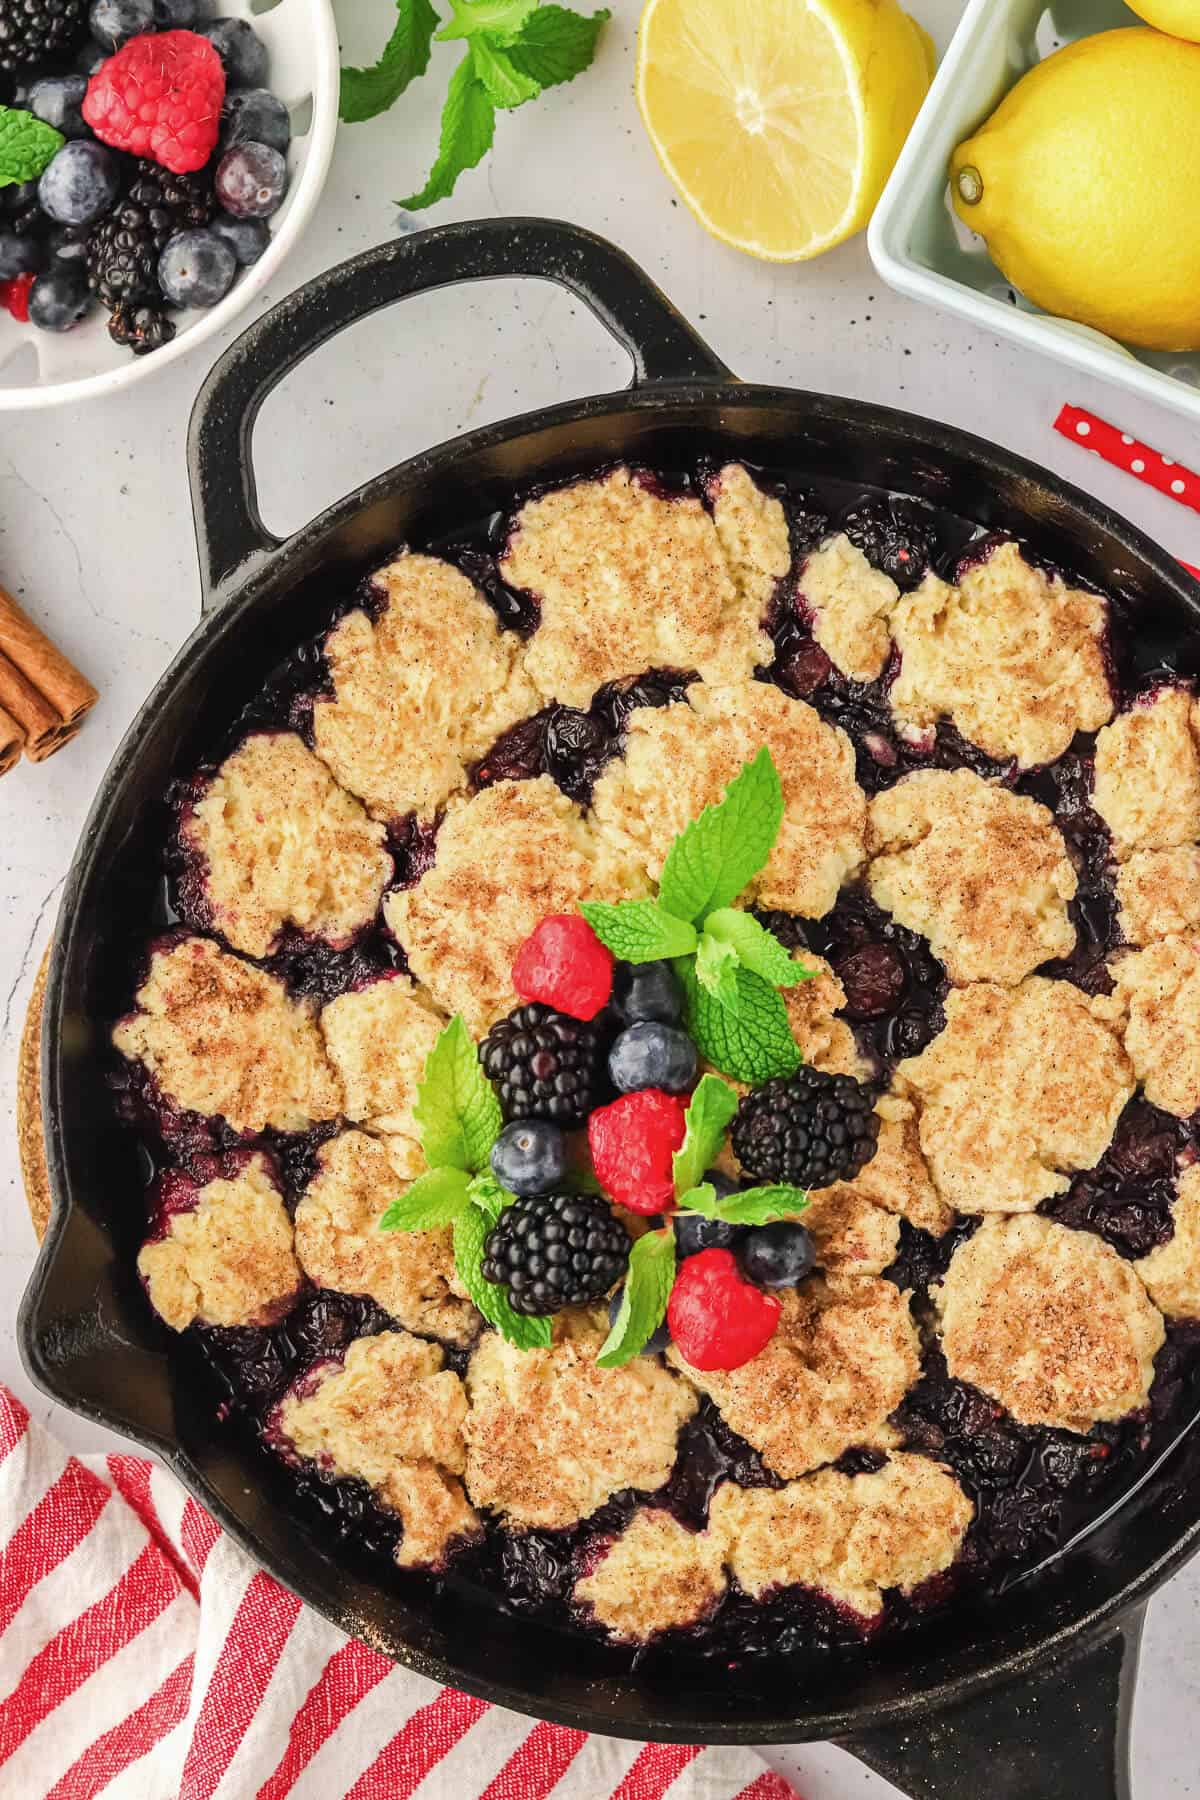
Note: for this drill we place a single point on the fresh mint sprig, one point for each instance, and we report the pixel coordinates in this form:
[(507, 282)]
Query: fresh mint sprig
[(459, 1119), (514, 50), (652, 1261), (729, 963), (27, 144)]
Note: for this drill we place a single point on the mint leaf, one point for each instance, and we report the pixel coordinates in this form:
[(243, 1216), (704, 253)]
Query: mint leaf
[(716, 855), (648, 1283), (712, 1106), (457, 1110), (755, 947), (639, 931), (752, 1206), (27, 144), (435, 1198), (506, 86), (368, 92), (470, 1232), (716, 971), (500, 18), (555, 44), (751, 1046), (468, 127), (488, 1195)]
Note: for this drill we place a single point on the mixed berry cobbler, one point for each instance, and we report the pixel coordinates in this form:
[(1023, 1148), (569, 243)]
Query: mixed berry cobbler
[(670, 1337)]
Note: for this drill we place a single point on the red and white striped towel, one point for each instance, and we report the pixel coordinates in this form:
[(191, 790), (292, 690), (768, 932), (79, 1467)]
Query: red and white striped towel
[(142, 1657)]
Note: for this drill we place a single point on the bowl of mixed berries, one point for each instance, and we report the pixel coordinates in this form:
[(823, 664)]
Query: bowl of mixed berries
[(157, 160)]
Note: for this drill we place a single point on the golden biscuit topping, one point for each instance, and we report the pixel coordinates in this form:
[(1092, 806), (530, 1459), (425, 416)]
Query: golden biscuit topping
[(656, 1576), (1022, 1086), (284, 845), (627, 580), (421, 693), (850, 605), (848, 1536), (1013, 656), (1051, 1323), (981, 872), (844, 1354), (1147, 784), (229, 1260), (679, 759), (410, 1274), (825, 1041), (550, 1436), (753, 531), (1172, 1271), (1158, 892), (1157, 1004), (506, 858), (378, 1037), (224, 1039)]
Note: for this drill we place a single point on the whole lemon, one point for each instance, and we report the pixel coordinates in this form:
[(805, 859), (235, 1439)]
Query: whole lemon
[(1180, 17), (1085, 182)]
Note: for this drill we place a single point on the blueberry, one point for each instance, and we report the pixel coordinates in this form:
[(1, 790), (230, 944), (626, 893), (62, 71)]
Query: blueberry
[(658, 1340), (651, 991), (255, 115), (176, 15), (240, 49), (251, 181), (56, 100), (247, 238), (652, 1055), (694, 1233), (196, 268), (60, 299), (529, 1157), (777, 1255), (79, 184), (19, 255), (113, 22)]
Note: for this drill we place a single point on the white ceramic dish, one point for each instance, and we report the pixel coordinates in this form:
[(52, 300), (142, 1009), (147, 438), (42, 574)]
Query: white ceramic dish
[(40, 368), (919, 246)]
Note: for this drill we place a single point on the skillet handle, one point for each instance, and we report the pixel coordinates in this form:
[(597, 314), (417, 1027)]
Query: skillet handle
[(230, 532), (1063, 1731)]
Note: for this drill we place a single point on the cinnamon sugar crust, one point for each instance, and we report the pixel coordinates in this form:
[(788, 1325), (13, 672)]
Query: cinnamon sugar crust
[(421, 693), (847, 1536), (550, 1436), (1147, 783), (680, 758), (850, 605), (1172, 1271), (844, 1354), (410, 1274), (981, 872), (1050, 1322), (506, 858), (378, 1038), (227, 1261), (225, 1039), (1158, 892), (1156, 1002), (655, 1576)]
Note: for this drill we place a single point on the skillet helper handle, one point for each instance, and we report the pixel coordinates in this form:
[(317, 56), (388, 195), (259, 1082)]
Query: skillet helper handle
[(229, 528), (1061, 1731)]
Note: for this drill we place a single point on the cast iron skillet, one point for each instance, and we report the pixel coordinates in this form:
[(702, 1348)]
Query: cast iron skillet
[(929, 1710)]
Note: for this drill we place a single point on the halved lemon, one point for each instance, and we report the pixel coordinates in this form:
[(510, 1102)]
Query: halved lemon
[(779, 121)]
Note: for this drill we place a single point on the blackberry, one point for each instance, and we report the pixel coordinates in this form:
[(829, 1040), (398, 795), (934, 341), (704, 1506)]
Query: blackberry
[(140, 328), (810, 1129), (896, 535), (124, 248), (546, 1065), (556, 1250), (31, 30)]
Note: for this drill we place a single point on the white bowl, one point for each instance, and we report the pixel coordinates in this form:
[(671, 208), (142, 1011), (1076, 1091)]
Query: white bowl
[(44, 368), (920, 247)]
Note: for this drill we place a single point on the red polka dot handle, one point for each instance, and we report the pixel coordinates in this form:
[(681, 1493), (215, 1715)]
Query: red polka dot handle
[(1124, 452)]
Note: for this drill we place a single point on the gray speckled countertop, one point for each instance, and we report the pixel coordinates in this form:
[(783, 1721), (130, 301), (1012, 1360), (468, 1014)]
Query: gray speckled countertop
[(95, 527)]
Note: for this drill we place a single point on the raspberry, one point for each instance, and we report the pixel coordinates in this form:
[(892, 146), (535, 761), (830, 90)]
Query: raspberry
[(14, 296), (717, 1319), (563, 964), (632, 1142), (160, 96)]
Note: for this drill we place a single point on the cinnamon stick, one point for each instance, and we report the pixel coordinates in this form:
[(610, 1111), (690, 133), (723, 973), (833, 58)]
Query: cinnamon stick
[(12, 740), (43, 693)]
